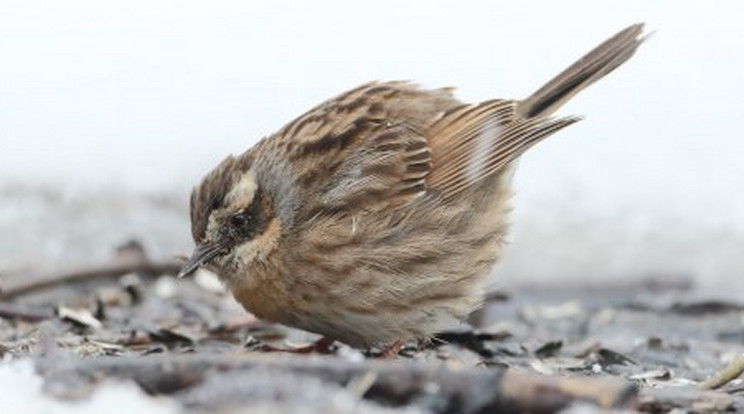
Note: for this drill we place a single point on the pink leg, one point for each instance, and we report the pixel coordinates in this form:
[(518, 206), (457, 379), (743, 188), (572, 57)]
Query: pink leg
[(392, 350)]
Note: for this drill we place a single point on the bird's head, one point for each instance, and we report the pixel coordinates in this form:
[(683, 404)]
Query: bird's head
[(233, 222)]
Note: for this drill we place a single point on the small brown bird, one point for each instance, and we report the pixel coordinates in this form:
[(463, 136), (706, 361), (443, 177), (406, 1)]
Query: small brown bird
[(376, 217)]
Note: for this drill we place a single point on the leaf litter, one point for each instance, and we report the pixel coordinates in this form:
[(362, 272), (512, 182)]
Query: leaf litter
[(187, 342)]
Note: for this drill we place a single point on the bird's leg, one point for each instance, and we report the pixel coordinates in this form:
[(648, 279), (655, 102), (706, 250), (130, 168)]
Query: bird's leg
[(323, 345), (392, 350)]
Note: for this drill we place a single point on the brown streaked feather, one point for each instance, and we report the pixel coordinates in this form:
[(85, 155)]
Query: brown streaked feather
[(371, 102), (364, 150), (515, 139), (388, 169), (382, 145), (353, 152), (593, 66), (462, 134), (473, 142)]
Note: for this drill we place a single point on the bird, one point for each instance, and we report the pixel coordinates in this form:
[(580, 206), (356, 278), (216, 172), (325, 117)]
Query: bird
[(376, 217)]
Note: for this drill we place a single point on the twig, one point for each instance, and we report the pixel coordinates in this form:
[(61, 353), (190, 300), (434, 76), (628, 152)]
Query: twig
[(684, 399), (25, 286), (731, 372), (10, 311)]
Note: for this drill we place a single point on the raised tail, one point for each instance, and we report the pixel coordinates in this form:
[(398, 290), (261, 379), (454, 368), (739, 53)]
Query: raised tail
[(594, 65)]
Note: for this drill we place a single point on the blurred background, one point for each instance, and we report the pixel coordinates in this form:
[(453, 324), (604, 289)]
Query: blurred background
[(111, 111)]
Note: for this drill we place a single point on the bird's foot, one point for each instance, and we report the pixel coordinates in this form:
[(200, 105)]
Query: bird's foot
[(392, 350)]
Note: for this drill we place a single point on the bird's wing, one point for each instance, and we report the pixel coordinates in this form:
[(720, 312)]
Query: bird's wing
[(472, 142), (383, 145), (364, 150), (388, 169)]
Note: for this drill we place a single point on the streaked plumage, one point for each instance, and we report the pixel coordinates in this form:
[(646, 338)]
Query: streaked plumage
[(377, 215)]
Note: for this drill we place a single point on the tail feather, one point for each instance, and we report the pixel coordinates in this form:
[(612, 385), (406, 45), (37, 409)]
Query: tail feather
[(473, 142), (594, 65)]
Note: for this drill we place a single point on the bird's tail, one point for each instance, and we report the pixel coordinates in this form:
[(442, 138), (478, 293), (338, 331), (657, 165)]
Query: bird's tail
[(594, 65)]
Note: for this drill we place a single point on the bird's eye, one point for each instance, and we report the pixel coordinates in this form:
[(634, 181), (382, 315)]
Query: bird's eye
[(239, 220)]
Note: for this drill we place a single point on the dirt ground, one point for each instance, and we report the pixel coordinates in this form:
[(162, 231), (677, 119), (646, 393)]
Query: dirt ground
[(129, 336)]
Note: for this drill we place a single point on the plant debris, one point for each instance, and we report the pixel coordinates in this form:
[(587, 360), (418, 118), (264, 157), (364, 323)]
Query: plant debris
[(533, 350)]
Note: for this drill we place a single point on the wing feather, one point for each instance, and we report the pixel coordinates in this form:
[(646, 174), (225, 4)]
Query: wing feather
[(389, 168), (473, 142), (384, 145)]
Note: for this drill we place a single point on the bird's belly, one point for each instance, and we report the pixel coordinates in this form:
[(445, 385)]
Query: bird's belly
[(368, 307), (374, 327)]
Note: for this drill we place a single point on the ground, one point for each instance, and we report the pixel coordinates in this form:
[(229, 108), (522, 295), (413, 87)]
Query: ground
[(130, 336)]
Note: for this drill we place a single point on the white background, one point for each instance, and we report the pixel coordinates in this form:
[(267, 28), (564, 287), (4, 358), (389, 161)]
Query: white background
[(102, 103)]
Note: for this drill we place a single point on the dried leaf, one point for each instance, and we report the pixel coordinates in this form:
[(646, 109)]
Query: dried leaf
[(549, 349), (80, 317)]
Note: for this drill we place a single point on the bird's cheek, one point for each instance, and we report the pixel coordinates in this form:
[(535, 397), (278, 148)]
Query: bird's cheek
[(266, 242), (244, 254)]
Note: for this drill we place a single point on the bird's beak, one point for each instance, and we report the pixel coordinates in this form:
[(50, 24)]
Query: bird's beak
[(202, 254)]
